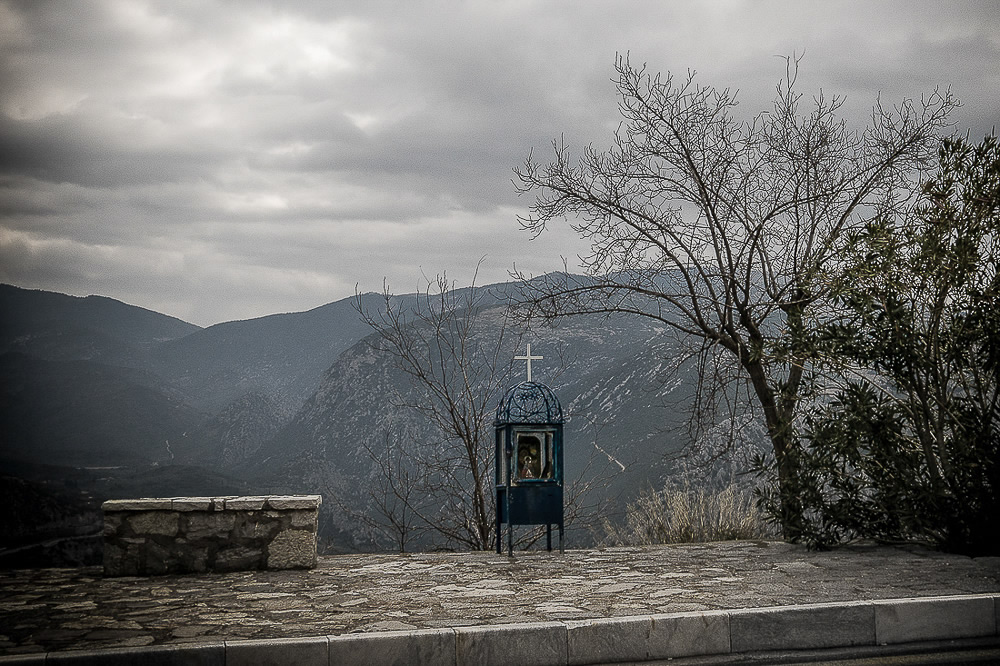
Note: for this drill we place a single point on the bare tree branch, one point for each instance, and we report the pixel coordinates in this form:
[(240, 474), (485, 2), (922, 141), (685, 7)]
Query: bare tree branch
[(727, 231)]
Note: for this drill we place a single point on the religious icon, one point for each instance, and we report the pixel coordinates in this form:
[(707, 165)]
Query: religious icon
[(526, 471), (528, 458)]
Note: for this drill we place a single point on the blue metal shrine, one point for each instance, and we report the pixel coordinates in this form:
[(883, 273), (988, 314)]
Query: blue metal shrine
[(529, 459)]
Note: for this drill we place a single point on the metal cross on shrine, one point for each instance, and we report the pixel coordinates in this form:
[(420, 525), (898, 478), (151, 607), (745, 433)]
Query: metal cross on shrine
[(529, 358)]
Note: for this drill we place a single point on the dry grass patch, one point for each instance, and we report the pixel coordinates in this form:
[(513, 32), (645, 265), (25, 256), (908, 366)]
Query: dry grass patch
[(681, 514)]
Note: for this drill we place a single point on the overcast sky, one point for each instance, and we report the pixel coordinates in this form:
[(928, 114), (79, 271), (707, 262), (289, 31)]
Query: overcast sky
[(225, 160)]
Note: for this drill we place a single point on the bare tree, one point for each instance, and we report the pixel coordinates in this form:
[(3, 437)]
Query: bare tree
[(395, 492), (456, 346), (727, 230), (458, 374)]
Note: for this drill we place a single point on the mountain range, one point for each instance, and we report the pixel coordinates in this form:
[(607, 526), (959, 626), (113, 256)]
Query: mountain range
[(98, 393)]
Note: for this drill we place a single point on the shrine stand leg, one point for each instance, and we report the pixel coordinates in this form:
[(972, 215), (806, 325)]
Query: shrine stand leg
[(510, 523), (499, 529)]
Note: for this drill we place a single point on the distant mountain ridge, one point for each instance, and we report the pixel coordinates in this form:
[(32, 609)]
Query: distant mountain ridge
[(27, 311), (58, 327), (186, 378), (282, 356), (289, 400), (93, 383)]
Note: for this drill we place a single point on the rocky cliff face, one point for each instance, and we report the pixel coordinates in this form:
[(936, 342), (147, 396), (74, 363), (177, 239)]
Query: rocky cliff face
[(607, 371), (246, 424)]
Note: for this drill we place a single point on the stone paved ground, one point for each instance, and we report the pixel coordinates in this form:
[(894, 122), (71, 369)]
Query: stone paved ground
[(57, 609)]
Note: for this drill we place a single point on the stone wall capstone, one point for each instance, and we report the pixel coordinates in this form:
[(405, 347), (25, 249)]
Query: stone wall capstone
[(165, 535)]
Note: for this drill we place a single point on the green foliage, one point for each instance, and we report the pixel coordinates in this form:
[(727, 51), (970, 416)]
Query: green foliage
[(909, 446)]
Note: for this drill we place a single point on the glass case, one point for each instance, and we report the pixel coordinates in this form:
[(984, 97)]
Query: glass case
[(534, 457)]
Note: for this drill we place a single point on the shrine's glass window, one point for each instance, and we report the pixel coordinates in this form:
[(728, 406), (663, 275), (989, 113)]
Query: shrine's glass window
[(533, 456)]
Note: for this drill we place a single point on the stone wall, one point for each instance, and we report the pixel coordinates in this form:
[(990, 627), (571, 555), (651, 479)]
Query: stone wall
[(195, 534)]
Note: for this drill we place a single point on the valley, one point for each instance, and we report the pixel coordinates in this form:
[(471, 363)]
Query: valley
[(104, 400)]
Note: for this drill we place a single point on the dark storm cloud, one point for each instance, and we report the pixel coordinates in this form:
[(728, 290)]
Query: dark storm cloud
[(218, 160)]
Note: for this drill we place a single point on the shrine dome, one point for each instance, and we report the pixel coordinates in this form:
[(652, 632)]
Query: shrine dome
[(529, 402)]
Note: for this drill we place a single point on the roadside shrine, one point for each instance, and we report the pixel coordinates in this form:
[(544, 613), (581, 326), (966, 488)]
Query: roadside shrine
[(529, 459)]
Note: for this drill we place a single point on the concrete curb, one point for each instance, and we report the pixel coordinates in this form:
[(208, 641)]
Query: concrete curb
[(578, 642)]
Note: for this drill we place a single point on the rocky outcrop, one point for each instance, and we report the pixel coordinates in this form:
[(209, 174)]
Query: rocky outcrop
[(196, 534)]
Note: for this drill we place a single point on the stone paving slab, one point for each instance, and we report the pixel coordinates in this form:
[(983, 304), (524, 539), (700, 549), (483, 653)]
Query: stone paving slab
[(50, 610)]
